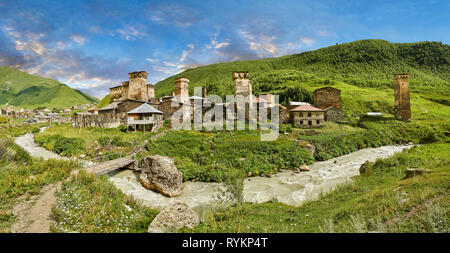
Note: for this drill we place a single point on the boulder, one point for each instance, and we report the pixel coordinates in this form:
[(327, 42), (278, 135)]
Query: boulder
[(174, 217), (158, 173), (410, 172), (304, 168), (364, 167), (311, 148)]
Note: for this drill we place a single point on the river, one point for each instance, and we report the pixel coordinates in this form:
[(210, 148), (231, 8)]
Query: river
[(285, 187)]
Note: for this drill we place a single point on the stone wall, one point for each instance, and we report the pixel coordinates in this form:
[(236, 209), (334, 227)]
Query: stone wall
[(402, 105), (326, 97)]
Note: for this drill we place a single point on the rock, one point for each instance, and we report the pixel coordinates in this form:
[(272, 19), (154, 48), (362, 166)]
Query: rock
[(174, 217), (249, 174), (364, 167), (304, 168), (412, 172), (410, 143), (311, 148), (159, 173)]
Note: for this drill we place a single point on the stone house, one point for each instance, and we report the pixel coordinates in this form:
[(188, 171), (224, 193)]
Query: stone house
[(115, 114), (145, 118), (333, 114), (307, 116)]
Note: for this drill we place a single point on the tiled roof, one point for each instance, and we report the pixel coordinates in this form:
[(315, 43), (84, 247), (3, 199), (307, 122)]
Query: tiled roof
[(305, 108)]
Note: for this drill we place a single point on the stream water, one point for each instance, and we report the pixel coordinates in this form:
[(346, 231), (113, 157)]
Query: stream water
[(285, 187)]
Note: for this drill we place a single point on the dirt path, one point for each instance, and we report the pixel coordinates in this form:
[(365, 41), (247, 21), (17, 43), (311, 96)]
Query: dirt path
[(34, 215)]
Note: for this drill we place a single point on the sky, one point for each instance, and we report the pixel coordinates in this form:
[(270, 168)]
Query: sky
[(92, 45)]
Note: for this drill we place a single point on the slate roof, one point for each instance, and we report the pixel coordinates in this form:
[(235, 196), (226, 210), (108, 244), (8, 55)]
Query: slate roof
[(145, 108), (111, 106)]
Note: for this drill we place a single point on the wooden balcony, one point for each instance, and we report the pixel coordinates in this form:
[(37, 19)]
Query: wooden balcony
[(140, 122)]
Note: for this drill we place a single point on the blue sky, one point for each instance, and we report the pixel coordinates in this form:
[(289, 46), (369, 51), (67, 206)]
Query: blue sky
[(93, 45)]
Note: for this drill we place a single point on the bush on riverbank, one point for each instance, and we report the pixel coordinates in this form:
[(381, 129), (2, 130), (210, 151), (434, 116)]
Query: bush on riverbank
[(391, 133), (61, 145), (90, 204), (214, 156)]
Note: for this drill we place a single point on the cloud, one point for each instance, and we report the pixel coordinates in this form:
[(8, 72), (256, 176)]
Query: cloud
[(187, 52), (152, 60), (171, 14), (79, 39), (307, 41), (130, 33)]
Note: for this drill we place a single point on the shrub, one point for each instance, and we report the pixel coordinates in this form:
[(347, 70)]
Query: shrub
[(35, 130), (285, 128), (117, 141), (68, 146), (123, 128), (104, 141)]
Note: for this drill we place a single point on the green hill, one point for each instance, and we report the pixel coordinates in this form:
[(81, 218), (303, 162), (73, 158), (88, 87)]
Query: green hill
[(21, 89), (364, 63), (103, 102)]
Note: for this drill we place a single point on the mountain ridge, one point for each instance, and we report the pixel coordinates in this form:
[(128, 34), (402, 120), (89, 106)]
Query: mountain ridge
[(18, 88), (363, 63)]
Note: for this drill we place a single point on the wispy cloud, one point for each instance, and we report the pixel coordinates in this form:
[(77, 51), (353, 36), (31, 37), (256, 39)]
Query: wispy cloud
[(79, 39)]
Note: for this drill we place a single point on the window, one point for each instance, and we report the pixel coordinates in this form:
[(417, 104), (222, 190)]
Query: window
[(309, 114), (300, 114), (301, 122), (318, 122), (309, 122)]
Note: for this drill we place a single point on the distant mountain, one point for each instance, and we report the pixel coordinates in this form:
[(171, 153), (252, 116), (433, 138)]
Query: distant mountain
[(21, 89), (364, 63)]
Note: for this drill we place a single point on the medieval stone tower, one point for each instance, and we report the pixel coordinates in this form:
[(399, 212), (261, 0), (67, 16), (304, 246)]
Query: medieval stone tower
[(242, 84), (181, 91), (326, 97), (150, 91), (402, 105), (138, 86)]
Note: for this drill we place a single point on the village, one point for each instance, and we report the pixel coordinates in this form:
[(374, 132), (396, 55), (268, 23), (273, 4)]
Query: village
[(134, 104)]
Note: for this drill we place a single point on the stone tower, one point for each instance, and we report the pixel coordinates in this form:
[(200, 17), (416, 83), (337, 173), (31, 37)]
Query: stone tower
[(242, 84), (150, 91), (138, 86), (326, 97), (402, 105), (181, 91)]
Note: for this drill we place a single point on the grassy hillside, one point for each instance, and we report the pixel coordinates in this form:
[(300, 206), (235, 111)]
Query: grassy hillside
[(365, 63), (103, 102), (21, 89)]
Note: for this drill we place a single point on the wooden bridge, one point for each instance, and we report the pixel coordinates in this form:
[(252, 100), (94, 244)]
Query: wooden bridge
[(128, 161), (108, 166)]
